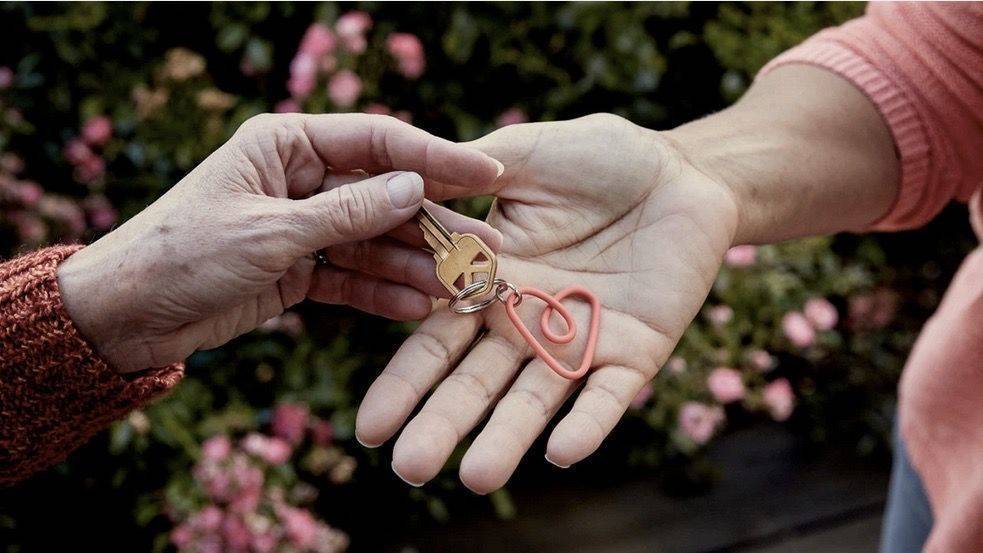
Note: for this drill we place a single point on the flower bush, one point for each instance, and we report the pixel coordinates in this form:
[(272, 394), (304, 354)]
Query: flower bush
[(104, 106)]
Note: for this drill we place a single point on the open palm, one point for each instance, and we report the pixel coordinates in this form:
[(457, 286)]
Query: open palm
[(595, 201)]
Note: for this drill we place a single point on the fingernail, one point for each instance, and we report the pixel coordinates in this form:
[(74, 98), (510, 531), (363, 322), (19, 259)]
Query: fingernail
[(555, 464), (405, 189), (396, 472), (501, 167)]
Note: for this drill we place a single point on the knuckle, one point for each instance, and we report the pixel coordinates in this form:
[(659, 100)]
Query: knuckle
[(433, 345), (471, 384), (347, 210), (532, 399)]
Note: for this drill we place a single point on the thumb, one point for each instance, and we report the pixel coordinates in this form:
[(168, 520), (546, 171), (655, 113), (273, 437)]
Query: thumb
[(358, 210)]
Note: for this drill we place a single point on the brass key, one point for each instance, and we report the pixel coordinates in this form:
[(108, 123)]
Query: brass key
[(459, 257)]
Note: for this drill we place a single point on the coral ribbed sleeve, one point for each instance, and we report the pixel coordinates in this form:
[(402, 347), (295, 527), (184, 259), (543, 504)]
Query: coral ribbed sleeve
[(920, 63), (55, 391)]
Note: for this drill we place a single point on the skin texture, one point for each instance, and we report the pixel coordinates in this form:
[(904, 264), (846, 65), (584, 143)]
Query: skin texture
[(230, 246), (642, 219)]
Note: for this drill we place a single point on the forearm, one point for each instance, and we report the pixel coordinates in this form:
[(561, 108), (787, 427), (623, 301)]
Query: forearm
[(804, 152)]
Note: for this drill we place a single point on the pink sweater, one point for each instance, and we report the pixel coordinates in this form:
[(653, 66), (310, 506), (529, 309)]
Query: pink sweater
[(922, 66)]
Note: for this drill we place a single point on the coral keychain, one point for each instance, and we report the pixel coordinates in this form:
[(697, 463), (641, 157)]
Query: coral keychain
[(455, 262)]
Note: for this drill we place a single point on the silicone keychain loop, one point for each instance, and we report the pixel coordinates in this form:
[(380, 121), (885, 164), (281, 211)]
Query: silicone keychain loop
[(553, 305)]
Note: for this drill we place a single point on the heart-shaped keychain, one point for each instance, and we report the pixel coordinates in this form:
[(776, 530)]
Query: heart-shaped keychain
[(511, 296)]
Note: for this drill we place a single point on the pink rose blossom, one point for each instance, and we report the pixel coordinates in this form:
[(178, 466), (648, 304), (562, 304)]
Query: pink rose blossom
[(511, 116), (208, 519), (76, 151), (761, 360), (97, 130), (301, 86), (30, 228), (235, 533), (779, 399), (741, 256), (642, 397), (287, 106), (318, 40), (90, 170), (265, 542), (102, 215), (798, 329), (821, 314), (216, 448), (351, 28), (300, 526), (720, 315), (322, 432), (407, 49), (6, 77), (303, 65), (726, 384), (277, 452), (344, 88), (182, 536), (698, 421), (676, 365), (289, 421), (29, 193)]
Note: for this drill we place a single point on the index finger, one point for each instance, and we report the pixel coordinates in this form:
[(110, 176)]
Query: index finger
[(378, 143)]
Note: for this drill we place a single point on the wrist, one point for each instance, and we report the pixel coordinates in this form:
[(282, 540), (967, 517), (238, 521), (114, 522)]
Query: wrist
[(96, 301)]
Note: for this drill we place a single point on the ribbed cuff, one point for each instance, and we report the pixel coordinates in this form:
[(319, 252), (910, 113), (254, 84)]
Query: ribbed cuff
[(55, 390), (907, 129)]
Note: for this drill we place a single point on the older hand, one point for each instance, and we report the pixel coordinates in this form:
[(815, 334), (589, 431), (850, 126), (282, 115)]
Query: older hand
[(231, 245), (596, 201)]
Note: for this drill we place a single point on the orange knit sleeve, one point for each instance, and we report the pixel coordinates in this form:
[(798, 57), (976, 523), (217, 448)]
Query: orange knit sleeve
[(921, 64), (55, 391)]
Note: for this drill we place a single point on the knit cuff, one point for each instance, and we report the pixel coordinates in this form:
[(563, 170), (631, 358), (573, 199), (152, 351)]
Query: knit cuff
[(907, 129), (55, 390)]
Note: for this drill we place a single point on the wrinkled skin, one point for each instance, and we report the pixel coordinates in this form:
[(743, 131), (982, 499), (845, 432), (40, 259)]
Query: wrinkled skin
[(231, 244), (595, 201)]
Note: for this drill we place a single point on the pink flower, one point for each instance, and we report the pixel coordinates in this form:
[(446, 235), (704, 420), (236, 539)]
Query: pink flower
[(407, 49), (741, 256), (97, 130), (265, 542), (377, 109), (289, 422), (642, 397), (698, 421), (761, 360), (236, 533), (798, 329), (318, 40), (511, 116), (300, 525), (303, 65), (872, 311), (182, 536), (216, 448), (725, 384), (30, 228), (287, 106), (720, 315), (277, 452), (102, 215), (90, 170), (6, 77), (208, 519), (76, 151), (344, 88), (351, 28), (322, 432), (676, 365), (779, 399), (29, 193), (821, 314)]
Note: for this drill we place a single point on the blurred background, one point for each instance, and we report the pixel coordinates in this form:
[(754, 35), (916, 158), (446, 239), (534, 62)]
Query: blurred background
[(768, 430)]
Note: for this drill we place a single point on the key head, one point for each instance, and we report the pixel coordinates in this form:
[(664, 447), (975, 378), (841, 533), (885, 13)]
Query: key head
[(470, 260)]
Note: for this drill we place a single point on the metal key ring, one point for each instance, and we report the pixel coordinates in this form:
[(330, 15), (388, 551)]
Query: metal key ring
[(502, 286), (467, 292)]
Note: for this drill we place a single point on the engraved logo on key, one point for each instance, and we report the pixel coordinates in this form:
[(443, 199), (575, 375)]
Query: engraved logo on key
[(462, 259)]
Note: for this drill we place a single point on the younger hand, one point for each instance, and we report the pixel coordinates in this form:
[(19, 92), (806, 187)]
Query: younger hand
[(231, 245)]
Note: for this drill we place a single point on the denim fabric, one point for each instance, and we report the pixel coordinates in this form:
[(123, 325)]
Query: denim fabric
[(908, 518)]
